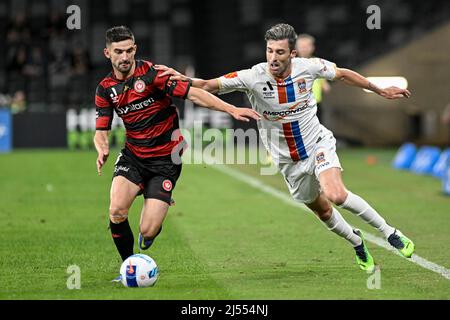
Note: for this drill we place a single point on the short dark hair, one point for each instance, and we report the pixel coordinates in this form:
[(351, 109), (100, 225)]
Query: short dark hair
[(117, 34), (282, 31)]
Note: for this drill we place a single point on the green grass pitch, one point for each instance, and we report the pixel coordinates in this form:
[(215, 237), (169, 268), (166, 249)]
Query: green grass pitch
[(222, 240)]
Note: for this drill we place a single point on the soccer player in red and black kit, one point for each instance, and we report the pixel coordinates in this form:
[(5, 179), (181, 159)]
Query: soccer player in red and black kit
[(146, 164)]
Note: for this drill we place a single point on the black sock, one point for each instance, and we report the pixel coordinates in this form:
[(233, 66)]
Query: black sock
[(123, 238)]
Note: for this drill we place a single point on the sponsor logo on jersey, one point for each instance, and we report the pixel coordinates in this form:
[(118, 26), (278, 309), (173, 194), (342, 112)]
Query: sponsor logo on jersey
[(114, 96), (139, 86), (231, 75), (279, 115), (167, 185), (267, 91), (267, 94), (323, 165), (134, 106), (121, 168)]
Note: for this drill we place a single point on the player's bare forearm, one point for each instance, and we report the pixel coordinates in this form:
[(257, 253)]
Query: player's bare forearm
[(353, 78), (200, 94), (211, 85), (102, 146), (101, 141), (207, 100)]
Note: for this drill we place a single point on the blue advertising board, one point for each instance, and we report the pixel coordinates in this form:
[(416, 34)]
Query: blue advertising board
[(5, 130)]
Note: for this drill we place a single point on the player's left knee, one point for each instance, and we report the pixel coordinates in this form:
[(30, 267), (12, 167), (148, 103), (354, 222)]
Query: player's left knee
[(325, 214)]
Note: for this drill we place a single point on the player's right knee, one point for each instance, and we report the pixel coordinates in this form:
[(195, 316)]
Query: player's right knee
[(118, 215)]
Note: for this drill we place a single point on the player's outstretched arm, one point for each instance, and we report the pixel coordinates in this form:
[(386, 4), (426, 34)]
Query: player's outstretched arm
[(102, 146), (211, 85), (207, 100), (353, 78)]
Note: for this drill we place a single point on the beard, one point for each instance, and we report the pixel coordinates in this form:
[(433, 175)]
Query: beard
[(277, 68), (124, 66), (279, 72)]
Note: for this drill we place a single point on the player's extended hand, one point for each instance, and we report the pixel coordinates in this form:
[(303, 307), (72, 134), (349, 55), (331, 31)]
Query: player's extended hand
[(174, 74), (101, 160), (395, 93), (245, 114)]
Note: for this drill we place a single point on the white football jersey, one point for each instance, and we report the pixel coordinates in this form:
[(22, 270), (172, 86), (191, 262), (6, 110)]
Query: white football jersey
[(289, 128)]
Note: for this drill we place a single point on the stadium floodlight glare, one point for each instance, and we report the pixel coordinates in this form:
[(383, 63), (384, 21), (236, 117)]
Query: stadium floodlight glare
[(384, 82)]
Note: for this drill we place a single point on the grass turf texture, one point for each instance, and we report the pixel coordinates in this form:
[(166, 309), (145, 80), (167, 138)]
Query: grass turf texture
[(222, 240)]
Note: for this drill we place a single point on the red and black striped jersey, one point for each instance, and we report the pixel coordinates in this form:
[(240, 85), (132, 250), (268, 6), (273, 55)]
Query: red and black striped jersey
[(144, 103)]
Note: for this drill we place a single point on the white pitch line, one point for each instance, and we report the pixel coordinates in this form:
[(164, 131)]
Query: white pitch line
[(414, 259), (258, 184)]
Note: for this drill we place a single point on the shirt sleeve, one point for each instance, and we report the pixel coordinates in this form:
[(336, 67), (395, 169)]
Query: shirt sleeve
[(321, 68), (174, 88), (104, 109), (235, 81)]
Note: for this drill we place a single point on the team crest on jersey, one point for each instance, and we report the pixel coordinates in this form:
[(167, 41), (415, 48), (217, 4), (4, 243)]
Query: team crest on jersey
[(320, 157), (139, 86), (301, 85), (231, 75), (167, 185)]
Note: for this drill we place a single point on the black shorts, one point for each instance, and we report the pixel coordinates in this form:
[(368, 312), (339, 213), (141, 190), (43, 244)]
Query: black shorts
[(155, 176)]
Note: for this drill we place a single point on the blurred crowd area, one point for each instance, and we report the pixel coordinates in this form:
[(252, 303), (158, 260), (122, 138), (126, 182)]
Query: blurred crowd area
[(46, 67)]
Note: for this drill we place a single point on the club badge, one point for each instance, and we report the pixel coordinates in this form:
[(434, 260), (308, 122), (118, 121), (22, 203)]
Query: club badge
[(139, 86), (301, 85), (167, 185)]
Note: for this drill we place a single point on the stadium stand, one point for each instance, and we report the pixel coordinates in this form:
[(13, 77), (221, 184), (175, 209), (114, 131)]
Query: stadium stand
[(58, 69)]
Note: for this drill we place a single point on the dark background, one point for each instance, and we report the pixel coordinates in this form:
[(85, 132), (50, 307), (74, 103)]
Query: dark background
[(48, 68), (42, 57)]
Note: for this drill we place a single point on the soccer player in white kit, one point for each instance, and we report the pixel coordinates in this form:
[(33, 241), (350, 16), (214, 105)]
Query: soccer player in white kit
[(303, 149)]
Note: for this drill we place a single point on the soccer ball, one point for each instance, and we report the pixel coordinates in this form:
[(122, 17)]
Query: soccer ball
[(139, 270)]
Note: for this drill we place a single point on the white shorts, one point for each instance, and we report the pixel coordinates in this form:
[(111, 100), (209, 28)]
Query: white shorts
[(302, 177)]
